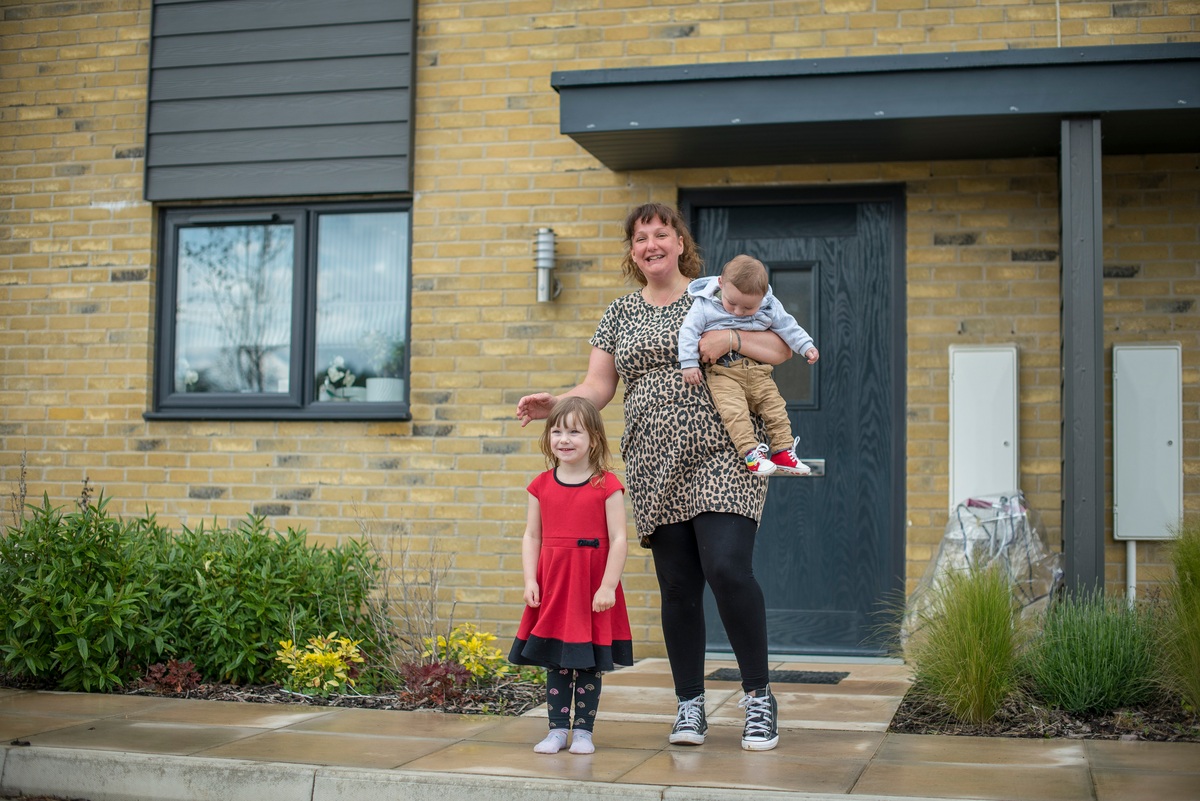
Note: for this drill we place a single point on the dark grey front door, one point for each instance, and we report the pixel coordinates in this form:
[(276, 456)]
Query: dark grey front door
[(829, 553)]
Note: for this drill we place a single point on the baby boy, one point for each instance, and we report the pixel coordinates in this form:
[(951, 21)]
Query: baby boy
[(741, 300)]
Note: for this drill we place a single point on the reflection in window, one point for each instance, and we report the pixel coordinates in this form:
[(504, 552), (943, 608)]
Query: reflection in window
[(233, 308), (362, 291), (793, 287)]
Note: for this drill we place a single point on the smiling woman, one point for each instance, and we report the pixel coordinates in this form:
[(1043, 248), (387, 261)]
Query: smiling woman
[(687, 483)]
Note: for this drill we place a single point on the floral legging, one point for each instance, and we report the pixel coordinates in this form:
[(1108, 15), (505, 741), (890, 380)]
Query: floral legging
[(572, 689)]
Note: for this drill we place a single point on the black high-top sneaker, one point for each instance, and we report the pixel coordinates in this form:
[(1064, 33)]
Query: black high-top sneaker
[(691, 726), (762, 720)]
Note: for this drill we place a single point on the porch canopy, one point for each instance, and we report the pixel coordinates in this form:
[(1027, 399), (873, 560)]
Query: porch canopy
[(1066, 102), (973, 105)]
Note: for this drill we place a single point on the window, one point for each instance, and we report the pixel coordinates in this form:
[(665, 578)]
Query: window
[(794, 284), (290, 312)]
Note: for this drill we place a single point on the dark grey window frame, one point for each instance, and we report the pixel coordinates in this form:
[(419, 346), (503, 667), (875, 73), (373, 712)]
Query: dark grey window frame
[(294, 405)]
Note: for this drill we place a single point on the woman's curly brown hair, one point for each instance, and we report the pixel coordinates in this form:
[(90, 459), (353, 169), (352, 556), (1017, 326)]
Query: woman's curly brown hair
[(690, 263)]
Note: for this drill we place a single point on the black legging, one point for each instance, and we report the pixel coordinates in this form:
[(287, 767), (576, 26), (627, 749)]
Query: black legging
[(717, 547), (572, 690)]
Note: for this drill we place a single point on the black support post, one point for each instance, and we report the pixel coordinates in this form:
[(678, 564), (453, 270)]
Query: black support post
[(1082, 354)]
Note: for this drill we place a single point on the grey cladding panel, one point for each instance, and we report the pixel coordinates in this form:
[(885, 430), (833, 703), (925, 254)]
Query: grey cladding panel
[(269, 98), (273, 112), (246, 15), (285, 44), (279, 144), (279, 179), (280, 78)]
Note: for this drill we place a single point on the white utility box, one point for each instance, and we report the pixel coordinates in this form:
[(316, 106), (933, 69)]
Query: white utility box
[(1147, 439), (983, 420)]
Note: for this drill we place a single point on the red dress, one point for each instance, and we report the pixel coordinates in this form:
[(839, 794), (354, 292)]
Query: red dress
[(564, 632)]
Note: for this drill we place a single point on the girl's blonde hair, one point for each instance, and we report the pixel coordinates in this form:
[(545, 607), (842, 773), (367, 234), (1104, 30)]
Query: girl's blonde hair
[(690, 263), (587, 416)]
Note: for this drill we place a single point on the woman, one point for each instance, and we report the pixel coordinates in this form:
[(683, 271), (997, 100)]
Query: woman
[(695, 504)]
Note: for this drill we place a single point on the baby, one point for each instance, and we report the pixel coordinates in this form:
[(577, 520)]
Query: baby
[(741, 300)]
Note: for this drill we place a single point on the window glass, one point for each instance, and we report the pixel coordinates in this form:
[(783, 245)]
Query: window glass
[(794, 289), (362, 302), (233, 308)]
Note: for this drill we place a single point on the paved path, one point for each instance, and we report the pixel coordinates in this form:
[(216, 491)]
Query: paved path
[(833, 743)]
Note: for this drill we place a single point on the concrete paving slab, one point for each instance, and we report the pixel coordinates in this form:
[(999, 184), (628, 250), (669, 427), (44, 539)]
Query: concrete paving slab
[(999, 782), (228, 713), (658, 701), (403, 724), (1121, 755), (1127, 785), (609, 734), (518, 759), (797, 743), (111, 734), (14, 726), (116, 776), (322, 748), (914, 748), (345, 785), (823, 711), (765, 771), (91, 705)]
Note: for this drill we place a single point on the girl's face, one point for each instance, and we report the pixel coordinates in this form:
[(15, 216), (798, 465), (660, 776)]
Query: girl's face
[(656, 247), (569, 442)]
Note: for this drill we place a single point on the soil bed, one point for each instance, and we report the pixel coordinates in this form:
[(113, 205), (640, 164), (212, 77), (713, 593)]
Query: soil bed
[(1024, 718), (505, 698)]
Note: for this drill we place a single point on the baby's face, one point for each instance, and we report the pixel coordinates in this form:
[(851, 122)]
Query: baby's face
[(737, 302)]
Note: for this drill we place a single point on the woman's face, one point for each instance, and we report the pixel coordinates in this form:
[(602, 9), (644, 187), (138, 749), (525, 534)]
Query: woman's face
[(656, 248)]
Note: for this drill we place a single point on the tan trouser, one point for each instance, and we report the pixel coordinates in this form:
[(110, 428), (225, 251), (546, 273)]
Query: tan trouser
[(745, 387)]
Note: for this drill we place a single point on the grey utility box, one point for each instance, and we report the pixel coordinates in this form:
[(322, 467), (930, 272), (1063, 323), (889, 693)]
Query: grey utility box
[(1147, 439)]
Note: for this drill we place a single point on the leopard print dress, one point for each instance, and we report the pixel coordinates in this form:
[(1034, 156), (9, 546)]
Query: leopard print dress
[(679, 460)]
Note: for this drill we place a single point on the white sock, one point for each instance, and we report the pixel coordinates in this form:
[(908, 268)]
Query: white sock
[(581, 742), (553, 743)]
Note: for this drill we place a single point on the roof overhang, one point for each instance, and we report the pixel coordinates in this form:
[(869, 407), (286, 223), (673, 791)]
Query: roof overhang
[(993, 104)]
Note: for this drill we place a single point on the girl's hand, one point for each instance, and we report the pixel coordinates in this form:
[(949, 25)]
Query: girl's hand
[(693, 376), (605, 599), (533, 595), (812, 355), (535, 407)]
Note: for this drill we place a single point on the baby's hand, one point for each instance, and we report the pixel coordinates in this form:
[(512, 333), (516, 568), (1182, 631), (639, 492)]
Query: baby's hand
[(605, 599), (533, 595), (812, 355), (693, 376)]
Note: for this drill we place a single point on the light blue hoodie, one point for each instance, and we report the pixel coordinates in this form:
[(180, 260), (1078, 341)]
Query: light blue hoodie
[(707, 314)]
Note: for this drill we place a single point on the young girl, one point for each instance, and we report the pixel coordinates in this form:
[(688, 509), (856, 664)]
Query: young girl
[(573, 552)]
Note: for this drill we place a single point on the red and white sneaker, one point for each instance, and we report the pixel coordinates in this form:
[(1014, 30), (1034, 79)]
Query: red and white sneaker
[(757, 461), (786, 462)]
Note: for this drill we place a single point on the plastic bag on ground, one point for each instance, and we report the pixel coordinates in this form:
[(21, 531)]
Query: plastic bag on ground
[(986, 530)]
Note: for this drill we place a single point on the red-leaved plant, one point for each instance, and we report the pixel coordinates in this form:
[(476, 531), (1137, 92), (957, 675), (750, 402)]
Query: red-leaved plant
[(173, 677), (435, 683)]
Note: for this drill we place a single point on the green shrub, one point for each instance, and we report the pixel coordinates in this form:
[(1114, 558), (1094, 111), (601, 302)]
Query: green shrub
[(1180, 652), (234, 593), (965, 646), (88, 600), (1094, 654), (77, 598)]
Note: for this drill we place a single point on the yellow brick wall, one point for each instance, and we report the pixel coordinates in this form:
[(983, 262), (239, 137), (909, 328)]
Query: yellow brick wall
[(1151, 288), (77, 267)]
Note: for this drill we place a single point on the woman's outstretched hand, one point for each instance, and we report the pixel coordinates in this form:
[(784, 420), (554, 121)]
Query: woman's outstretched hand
[(535, 407)]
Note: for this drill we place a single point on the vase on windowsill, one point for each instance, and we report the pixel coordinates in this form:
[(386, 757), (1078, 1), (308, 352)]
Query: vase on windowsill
[(385, 390)]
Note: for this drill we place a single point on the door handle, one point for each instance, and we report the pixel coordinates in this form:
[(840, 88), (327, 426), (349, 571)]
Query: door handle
[(818, 468)]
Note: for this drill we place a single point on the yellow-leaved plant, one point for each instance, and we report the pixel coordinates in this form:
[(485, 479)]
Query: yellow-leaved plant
[(470, 648), (323, 667)]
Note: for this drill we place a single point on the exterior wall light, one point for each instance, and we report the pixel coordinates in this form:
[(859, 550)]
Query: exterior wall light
[(548, 286)]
